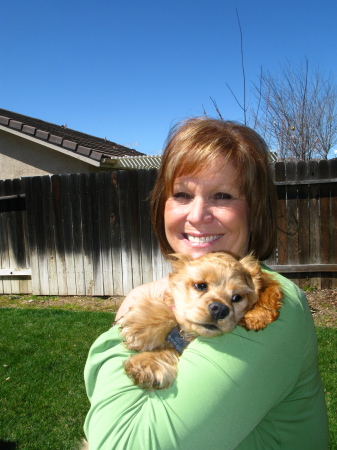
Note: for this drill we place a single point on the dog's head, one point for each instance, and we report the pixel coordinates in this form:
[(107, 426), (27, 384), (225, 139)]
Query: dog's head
[(211, 294)]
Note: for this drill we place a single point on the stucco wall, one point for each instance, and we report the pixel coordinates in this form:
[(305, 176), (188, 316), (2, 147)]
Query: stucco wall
[(20, 157)]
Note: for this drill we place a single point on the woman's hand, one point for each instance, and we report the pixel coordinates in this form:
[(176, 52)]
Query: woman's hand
[(155, 289)]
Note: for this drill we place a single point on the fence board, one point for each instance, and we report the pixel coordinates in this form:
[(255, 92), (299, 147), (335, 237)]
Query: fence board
[(67, 223), (3, 240), (123, 192), (56, 205), (115, 234), (105, 234), (135, 229), (47, 219), (280, 176), (41, 231), (314, 190), (21, 238), (75, 203), (324, 217), (4, 244), (14, 230), (303, 217), (85, 212), (32, 239), (292, 214), (333, 219), (96, 253), (145, 185)]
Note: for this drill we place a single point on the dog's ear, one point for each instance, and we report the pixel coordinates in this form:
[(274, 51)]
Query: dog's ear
[(179, 260), (251, 264), (266, 309)]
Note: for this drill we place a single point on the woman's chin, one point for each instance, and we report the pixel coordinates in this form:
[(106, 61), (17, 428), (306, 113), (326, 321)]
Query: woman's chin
[(197, 251)]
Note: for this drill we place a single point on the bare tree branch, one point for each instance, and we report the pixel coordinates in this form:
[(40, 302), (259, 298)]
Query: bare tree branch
[(216, 108), (296, 111), (243, 70)]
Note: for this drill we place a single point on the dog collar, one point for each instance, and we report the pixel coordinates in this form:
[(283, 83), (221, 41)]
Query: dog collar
[(174, 337)]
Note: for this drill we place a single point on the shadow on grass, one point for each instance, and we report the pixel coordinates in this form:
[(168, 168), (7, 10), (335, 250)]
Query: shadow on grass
[(7, 445)]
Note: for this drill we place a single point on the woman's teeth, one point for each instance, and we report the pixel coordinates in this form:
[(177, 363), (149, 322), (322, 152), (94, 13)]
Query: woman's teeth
[(203, 239)]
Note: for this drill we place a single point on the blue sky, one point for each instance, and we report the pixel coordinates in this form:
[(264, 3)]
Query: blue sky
[(128, 70)]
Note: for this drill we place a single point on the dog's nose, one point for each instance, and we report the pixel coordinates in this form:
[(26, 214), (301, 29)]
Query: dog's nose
[(218, 310)]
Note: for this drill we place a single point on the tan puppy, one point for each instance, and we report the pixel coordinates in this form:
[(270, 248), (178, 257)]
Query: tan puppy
[(208, 296)]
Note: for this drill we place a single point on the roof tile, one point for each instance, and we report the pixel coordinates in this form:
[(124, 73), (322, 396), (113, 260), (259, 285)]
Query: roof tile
[(69, 144), (42, 134), (83, 150), (4, 120), (55, 139), (15, 124), (29, 130), (96, 156)]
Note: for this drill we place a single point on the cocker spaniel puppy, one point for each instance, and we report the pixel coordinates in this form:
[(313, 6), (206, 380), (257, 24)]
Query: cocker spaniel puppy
[(208, 296)]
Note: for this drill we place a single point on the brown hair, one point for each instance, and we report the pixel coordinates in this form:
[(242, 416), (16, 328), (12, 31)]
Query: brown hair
[(197, 140)]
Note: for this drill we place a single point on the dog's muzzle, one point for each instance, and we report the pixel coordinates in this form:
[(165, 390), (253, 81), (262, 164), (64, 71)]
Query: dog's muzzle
[(218, 310)]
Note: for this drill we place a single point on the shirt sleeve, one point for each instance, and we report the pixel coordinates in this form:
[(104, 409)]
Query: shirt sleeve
[(225, 394)]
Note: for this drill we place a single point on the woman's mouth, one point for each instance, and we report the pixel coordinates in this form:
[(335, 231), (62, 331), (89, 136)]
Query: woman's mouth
[(202, 239)]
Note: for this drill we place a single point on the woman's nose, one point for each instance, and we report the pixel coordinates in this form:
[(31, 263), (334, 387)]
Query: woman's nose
[(199, 212)]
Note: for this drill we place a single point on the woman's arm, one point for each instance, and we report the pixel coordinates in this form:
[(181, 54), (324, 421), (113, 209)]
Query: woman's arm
[(224, 392)]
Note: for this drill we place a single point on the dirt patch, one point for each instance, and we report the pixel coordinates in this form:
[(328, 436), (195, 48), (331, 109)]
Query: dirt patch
[(72, 303), (323, 304)]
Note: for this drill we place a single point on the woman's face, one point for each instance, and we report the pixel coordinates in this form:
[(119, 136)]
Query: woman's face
[(206, 213)]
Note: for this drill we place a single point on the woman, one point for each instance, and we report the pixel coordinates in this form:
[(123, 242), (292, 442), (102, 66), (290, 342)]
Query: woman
[(244, 390)]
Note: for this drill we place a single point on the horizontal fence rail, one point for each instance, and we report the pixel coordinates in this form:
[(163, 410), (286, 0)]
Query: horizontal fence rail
[(90, 234)]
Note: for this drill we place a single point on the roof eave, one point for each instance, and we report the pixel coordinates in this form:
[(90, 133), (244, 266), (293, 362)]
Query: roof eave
[(70, 153), (132, 162)]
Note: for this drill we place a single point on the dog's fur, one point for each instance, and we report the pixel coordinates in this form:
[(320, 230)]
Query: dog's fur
[(208, 296)]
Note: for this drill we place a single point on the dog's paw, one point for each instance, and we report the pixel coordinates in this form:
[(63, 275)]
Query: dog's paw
[(259, 318), (266, 310), (152, 370), (146, 325)]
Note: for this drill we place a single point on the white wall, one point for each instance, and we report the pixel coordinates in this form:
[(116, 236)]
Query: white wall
[(20, 157)]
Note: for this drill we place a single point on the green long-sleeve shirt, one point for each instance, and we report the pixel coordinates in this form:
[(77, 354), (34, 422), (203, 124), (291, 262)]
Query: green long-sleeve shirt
[(243, 390)]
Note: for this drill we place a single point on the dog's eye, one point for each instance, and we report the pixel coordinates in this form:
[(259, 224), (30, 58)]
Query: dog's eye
[(200, 286), (236, 298)]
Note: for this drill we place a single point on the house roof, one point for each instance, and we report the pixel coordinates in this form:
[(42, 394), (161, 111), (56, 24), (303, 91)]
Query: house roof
[(94, 150)]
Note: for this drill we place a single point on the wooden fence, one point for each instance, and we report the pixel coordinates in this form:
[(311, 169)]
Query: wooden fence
[(90, 234), (307, 222)]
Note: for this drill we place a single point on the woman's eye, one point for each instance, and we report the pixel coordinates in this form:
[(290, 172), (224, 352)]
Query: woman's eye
[(181, 195), (222, 196)]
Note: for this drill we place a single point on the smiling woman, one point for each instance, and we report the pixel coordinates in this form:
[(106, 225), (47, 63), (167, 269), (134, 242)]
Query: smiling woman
[(226, 166), (214, 192)]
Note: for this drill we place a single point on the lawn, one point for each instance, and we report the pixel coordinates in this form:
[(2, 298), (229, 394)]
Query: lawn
[(327, 358), (42, 355)]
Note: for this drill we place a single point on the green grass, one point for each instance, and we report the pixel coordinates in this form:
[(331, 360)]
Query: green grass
[(42, 356), (327, 359)]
